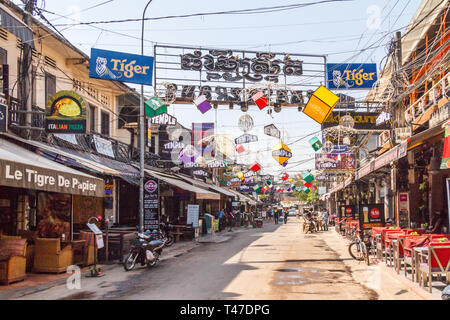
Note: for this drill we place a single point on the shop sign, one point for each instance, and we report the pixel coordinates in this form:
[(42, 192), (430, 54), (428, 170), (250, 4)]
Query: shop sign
[(226, 75), (200, 173), (362, 120), (71, 138), (445, 163), (3, 118), (151, 204), (20, 175), (164, 119), (371, 215), (193, 215), (447, 182), (65, 112), (347, 211), (386, 158), (351, 75), (365, 170), (335, 161), (272, 131), (217, 164), (201, 131), (120, 66), (246, 138)]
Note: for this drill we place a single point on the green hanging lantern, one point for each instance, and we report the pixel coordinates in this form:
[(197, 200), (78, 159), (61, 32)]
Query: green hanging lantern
[(315, 143), (308, 177), (257, 188), (293, 187), (306, 190), (154, 107), (269, 182)]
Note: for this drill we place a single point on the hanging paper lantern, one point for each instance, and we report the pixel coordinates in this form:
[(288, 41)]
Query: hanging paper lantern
[(255, 166), (308, 185), (306, 190), (293, 187), (257, 188), (240, 175), (269, 182), (154, 107), (289, 189), (320, 104), (202, 104), (308, 177), (239, 148), (285, 164), (260, 100), (291, 180), (248, 180), (315, 143), (281, 153), (445, 164)]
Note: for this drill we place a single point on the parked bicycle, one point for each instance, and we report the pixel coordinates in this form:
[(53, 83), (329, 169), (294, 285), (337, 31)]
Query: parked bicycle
[(359, 249)]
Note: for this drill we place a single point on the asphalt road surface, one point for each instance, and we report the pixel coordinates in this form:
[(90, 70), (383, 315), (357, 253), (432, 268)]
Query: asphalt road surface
[(276, 262)]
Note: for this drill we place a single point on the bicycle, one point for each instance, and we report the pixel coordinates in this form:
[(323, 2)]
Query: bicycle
[(358, 248)]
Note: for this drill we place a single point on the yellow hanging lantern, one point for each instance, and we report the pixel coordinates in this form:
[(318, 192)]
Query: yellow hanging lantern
[(320, 104), (240, 175), (281, 153), (291, 180)]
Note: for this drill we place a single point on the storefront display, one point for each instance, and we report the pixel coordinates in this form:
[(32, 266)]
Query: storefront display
[(54, 215)]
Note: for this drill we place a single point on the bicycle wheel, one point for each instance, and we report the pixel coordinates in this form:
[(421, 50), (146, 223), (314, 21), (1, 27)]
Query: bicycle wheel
[(355, 251)]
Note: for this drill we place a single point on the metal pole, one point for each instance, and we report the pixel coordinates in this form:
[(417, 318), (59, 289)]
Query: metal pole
[(142, 136)]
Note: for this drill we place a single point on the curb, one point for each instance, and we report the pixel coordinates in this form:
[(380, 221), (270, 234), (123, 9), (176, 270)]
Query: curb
[(412, 286)]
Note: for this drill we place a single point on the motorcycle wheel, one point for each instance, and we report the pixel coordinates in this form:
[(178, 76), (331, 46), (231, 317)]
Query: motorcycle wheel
[(154, 261), (130, 261), (170, 240)]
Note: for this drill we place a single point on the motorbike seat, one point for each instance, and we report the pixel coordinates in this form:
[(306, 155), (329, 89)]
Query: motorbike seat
[(155, 243)]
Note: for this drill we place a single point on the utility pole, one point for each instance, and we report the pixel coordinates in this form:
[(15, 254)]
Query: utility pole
[(27, 69)]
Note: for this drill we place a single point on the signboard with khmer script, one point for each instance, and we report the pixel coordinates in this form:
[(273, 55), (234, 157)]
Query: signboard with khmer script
[(272, 131), (225, 76), (246, 138)]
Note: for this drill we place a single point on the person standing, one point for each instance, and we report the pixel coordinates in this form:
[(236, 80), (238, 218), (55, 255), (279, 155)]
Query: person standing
[(275, 215), (325, 218)]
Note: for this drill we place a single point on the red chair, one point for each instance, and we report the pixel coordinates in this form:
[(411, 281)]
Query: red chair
[(436, 260), (389, 245)]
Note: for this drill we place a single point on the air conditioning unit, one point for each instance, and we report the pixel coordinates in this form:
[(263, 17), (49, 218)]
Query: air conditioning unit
[(401, 134), (384, 138)]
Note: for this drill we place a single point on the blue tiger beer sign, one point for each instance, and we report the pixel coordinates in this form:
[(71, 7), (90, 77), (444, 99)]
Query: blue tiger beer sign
[(120, 66), (346, 76)]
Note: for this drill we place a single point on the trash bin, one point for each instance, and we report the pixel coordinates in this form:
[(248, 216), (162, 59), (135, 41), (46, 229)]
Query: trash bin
[(210, 223)]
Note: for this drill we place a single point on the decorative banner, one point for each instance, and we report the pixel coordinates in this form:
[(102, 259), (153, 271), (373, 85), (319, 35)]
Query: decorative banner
[(320, 104), (246, 138), (260, 100), (351, 76), (200, 132), (119, 66), (65, 112), (202, 104), (445, 164), (335, 161), (154, 107), (272, 131), (164, 119), (255, 166), (315, 143), (281, 153), (188, 154), (103, 146)]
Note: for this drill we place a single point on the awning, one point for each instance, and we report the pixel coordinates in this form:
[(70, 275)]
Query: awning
[(199, 192), (418, 139), (203, 184), (13, 24), (22, 168), (84, 160)]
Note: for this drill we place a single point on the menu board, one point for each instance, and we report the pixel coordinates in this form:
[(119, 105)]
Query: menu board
[(371, 215), (192, 215), (151, 204)]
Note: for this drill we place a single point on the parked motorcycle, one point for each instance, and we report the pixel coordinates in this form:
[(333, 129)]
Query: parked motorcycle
[(145, 251), (166, 234)]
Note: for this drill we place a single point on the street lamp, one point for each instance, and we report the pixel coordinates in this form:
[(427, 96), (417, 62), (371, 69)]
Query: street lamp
[(142, 136)]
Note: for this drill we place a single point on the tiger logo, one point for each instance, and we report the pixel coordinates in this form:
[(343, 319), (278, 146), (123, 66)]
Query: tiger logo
[(101, 68)]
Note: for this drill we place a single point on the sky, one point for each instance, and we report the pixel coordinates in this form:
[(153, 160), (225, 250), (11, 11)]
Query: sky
[(338, 30)]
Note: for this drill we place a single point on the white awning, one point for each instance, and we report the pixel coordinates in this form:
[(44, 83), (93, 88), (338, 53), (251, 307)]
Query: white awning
[(203, 184), (199, 192), (22, 168)]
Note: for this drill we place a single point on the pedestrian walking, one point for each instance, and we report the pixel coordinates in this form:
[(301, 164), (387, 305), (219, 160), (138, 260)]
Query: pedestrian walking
[(275, 216), (325, 218)]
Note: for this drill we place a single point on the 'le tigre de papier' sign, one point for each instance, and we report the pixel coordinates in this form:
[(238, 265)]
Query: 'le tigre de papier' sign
[(19, 175)]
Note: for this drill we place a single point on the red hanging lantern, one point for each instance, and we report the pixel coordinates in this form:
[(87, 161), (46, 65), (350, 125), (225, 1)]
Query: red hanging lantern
[(260, 100), (308, 185), (255, 166), (285, 177), (239, 148)]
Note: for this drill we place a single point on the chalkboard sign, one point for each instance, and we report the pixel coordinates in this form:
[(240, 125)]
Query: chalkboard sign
[(192, 215), (151, 204)]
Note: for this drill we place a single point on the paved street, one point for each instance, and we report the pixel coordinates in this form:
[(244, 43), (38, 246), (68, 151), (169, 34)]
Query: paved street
[(276, 262)]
